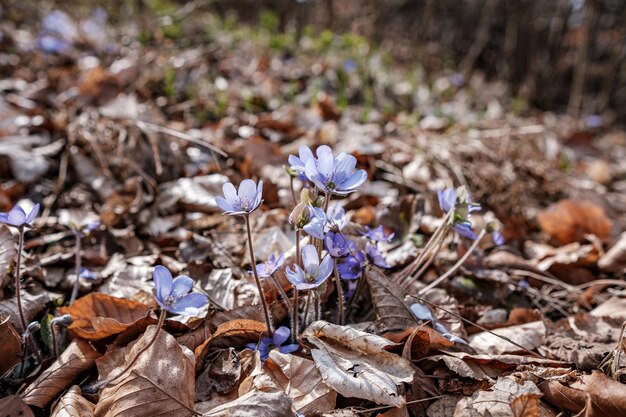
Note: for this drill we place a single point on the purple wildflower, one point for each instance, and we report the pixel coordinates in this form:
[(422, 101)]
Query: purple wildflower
[(334, 175), (497, 238), (352, 267), (268, 343), (337, 245), (241, 203), (465, 229), (376, 257), (267, 268), (314, 272), (17, 217), (378, 234), (173, 294)]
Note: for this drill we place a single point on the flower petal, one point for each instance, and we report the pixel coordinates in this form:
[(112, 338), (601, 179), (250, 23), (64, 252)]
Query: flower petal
[(247, 191), (224, 204), (230, 193), (289, 348), (163, 282), (310, 260), (295, 276), (33, 213), (324, 270), (16, 216), (190, 304), (181, 286), (325, 164), (281, 335), (353, 181)]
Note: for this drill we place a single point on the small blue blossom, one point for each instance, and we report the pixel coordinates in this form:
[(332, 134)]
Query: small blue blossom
[(241, 203), (58, 32), (298, 163), (497, 238), (337, 245), (267, 268), (17, 217), (465, 229), (173, 294), (87, 274), (321, 223), (352, 267), (314, 272), (378, 234), (376, 257), (268, 343), (334, 175)]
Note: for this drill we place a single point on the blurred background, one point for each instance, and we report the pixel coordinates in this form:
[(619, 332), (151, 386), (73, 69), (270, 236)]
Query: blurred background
[(560, 55)]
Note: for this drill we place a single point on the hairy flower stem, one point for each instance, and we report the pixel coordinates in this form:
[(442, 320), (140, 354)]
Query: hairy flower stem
[(294, 317), (339, 294), (293, 193), (456, 266), (307, 307), (320, 243), (106, 382), (266, 310), (77, 269), (298, 254), (18, 296), (283, 294)]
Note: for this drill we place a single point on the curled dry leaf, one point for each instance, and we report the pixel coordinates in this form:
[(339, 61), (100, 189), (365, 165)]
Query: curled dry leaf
[(10, 345), (530, 335), (255, 404), (73, 404), (223, 375), (77, 358), (14, 406), (356, 363), (161, 381), (569, 220), (97, 316), (299, 379), (236, 333), (597, 393), (392, 313), (507, 398)]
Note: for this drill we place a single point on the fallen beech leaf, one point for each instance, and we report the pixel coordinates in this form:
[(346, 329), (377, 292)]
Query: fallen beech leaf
[(529, 335), (77, 358), (236, 333), (222, 375), (97, 316), (255, 404), (10, 345), (14, 406), (569, 220), (73, 404), (299, 379), (507, 398), (161, 381), (392, 313), (355, 363)]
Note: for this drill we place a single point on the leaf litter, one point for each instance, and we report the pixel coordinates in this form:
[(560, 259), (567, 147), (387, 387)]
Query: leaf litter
[(531, 326)]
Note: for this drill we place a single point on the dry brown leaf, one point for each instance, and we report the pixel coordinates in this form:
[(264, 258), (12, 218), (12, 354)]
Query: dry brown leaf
[(506, 398), (222, 374), (569, 220), (255, 404), (355, 363), (236, 333), (392, 313), (73, 404), (443, 407), (34, 299), (10, 345), (14, 406), (530, 335), (77, 358), (161, 381), (97, 316), (299, 379)]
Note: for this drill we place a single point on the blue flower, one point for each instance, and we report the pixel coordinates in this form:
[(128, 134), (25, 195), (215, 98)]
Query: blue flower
[(321, 223), (334, 175), (497, 238), (314, 272), (243, 202), (173, 294), (337, 245), (378, 234), (447, 199), (465, 229), (268, 343), (298, 163), (17, 217), (87, 274), (352, 267), (376, 257), (267, 268)]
